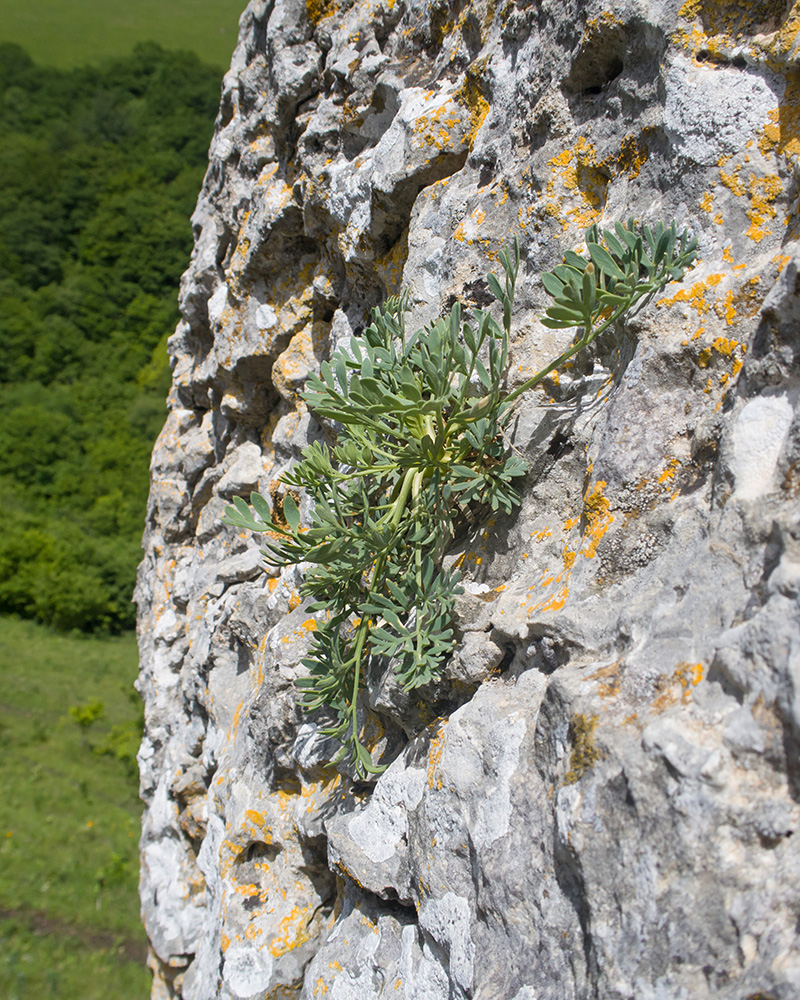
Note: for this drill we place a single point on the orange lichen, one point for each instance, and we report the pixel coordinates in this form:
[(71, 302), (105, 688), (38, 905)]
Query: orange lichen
[(471, 94), (247, 890), (435, 756), (695, 296), (732, 181), (596, 512), (292, 931), (319, 9), (440, 127), (632, 156), (781, 134), (687, 676), (741, 304), (669, 473), (781, 260), (610, 677), (466, 230), (763, 192), (578, 173)]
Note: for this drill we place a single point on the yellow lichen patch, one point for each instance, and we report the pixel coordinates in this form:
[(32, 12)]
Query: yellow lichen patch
[(763, 192), (292, 931), (439, 128), (467, 229), (553, 602), (374, 731), (610, 678), (632, 156), (786, 38), (234, 726), (734, 19), (319, 9), (576, 172), (732, 181), (596, 512), (725, 346), (228, 853), (689, 675), (727, 256), (435, 755), (741, 304), (678, 687), (690, 10), (781, 260), (344, 870), (597, 519), (707, 201), (256, 818), (781, 134), (725, 310), (292, 365), (695, 296), (584, 750), (247, 890), (669, 473), (472, 96)]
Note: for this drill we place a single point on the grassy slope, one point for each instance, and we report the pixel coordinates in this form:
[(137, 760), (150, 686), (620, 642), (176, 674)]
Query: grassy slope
[(69, 819), (67, 33)]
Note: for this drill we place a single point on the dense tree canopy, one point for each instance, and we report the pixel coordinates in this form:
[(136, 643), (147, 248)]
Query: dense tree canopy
[(99, 172)]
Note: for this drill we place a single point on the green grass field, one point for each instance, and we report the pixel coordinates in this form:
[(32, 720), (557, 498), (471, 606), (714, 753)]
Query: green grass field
[(69, 817), (67, 33)]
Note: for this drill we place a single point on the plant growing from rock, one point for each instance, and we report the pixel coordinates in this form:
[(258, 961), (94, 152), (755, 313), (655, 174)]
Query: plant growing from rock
[(420, 444)]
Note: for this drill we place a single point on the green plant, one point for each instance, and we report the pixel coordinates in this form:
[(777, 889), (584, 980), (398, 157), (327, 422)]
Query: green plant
[(86, 714), (420, 443)]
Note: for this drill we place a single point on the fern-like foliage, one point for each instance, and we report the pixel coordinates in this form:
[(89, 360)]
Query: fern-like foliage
[(419, 444)]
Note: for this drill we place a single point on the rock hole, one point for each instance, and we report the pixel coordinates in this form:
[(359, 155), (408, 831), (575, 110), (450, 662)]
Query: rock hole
[(560, 445), (598, 63), (477, 293), (225, 111), (509, 652)]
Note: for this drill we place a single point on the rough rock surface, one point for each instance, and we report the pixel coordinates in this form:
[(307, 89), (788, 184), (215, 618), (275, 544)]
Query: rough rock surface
[(600, 798)]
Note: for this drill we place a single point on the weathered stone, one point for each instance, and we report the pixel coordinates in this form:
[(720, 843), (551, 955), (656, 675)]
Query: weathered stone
[(599, 797)]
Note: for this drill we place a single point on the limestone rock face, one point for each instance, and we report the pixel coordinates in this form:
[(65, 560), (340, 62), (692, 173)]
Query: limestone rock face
[(600, 797)]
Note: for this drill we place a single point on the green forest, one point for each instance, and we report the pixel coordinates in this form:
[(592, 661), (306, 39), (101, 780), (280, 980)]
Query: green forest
[(100, 168), (99, 172)]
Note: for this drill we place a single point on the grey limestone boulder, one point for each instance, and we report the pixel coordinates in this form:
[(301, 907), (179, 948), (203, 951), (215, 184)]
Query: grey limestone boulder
[(600, 797)]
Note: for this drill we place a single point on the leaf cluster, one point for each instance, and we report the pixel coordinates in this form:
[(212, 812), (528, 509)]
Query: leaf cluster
[(420, 442), (622, 273)]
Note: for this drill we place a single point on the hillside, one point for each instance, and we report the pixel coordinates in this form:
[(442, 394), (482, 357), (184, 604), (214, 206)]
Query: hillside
[(99, 172)]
